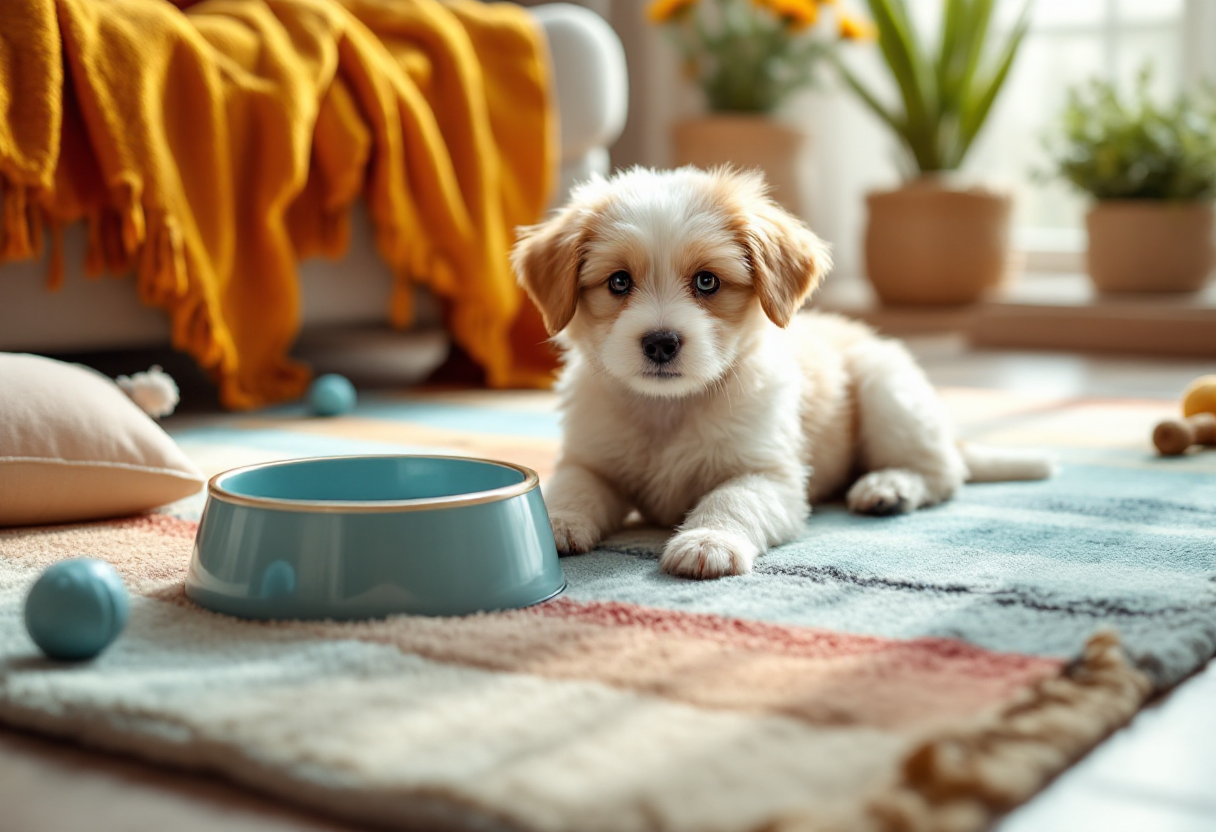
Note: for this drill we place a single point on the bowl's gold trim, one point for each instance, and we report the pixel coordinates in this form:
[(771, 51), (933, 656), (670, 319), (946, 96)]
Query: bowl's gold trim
[(216, 490)]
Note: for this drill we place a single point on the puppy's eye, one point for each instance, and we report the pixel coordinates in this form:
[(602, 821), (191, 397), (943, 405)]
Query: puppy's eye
[(620, 283), (706, 283)]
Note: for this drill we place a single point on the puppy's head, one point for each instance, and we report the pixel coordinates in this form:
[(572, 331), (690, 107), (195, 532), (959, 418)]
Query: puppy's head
[(661, 279)]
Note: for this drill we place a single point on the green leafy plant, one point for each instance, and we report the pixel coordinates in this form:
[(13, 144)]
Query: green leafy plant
[(1116, 147), (946, 96)]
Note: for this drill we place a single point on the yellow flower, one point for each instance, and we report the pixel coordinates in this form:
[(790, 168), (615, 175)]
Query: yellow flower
[(854, 28), (799, 14), (663, 11)]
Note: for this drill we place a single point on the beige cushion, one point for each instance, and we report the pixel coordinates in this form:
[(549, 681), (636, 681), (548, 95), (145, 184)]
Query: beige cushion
[(74, 447)]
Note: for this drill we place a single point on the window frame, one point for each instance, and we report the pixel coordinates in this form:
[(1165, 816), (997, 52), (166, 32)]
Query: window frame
[(1062, 250)]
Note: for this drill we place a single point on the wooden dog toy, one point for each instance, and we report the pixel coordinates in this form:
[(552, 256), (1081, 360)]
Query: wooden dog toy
[(1197, 427), (1174, 437)]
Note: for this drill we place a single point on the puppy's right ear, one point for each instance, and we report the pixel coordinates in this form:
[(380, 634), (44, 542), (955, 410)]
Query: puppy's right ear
[(547, 258)]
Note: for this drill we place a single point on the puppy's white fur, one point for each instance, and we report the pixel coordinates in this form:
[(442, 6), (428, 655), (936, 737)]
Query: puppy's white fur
[(761, 412)]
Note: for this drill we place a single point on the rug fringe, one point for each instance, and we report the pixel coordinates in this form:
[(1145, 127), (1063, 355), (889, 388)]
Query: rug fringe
[(961, 781)]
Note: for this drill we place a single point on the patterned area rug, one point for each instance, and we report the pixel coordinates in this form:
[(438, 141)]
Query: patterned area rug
[(913, 673)]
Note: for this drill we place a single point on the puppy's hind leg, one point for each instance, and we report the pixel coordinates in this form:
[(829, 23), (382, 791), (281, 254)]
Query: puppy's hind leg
[(906, 444)]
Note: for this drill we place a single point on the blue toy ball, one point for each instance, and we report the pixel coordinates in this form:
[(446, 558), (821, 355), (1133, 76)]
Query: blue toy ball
[(76, 608), (332, 395)]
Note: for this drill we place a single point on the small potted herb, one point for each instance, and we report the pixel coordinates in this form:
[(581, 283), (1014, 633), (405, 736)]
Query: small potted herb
[(1151, 170), (932, 242)]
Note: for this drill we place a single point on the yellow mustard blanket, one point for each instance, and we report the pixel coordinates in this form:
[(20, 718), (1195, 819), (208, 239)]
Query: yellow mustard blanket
[(210, 150)]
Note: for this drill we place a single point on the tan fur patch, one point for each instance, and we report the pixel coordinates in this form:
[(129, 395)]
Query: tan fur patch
[(787, 260)]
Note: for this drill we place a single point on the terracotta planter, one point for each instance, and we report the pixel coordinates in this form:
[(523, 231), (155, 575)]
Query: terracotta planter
[(928, 244), (748, 141), (1149, 246)]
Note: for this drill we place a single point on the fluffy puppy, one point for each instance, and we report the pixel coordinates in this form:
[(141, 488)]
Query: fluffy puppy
[(693, 392)]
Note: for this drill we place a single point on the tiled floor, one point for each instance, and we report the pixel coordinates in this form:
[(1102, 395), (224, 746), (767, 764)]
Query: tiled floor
[(1157, 775)]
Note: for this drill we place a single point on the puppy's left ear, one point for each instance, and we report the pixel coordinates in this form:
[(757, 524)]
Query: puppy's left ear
[(788, 260), (547, 258)]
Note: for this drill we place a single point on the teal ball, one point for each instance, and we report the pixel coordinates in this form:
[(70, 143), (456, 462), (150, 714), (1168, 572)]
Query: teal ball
[(332, 395), (76, 609)]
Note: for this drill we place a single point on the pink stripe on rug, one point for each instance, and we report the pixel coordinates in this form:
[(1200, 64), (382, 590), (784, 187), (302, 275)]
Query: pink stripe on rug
[(818, 676), (805, 642)]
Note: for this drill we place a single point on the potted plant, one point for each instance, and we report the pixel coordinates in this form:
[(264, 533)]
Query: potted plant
[(1152, 171), (748, 57), (932, 242)]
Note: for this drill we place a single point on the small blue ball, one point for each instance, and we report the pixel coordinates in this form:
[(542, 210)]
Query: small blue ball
[(332, 395), (76, 608)]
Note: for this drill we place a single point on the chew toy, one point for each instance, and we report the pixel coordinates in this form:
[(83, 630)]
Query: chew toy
[(1200, 396), (332, 395), (1174, 437), (154, 391), (76, 608)]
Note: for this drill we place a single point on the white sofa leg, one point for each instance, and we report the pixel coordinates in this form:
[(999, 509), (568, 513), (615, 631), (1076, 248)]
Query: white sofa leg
[(577, 170), (591, 86)]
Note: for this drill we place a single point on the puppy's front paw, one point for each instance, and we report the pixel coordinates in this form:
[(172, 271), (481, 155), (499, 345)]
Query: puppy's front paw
[(708, 553), (887, 492), (574, 534)]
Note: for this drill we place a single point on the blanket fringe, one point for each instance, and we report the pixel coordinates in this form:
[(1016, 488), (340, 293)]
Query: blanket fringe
[(960, 782), (55, 269), (94, 254), (22, 226), (162, 269)]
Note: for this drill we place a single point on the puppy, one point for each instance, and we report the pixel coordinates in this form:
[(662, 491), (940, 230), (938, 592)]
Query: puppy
[(693, 393)]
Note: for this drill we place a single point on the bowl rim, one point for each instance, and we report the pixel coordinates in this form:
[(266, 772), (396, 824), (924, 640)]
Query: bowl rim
[(216, 490)]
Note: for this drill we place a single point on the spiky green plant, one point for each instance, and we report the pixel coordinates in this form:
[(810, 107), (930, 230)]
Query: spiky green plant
[(946, 96)]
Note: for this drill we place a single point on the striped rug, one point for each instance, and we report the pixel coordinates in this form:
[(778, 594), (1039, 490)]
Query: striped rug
[(913, 673)]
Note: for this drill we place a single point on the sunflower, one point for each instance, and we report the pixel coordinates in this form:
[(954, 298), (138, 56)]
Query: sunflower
[(798, 13), (854, 28), (663, 11)]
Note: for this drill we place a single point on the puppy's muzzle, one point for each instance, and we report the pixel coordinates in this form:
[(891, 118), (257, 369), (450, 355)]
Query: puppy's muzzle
[(661, 347)]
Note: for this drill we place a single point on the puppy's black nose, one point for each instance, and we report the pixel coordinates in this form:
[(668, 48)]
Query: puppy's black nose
[(661, 347)]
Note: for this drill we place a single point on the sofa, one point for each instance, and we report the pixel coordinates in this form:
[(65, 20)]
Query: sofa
[(344, 301)]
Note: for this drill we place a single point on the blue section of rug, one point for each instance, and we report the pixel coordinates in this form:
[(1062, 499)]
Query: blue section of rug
[(1026, 567)]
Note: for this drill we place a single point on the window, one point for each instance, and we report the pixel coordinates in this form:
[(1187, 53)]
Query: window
[(1069, 43)]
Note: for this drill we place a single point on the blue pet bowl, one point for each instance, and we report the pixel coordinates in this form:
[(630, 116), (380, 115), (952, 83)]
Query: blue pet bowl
[(369, 536)]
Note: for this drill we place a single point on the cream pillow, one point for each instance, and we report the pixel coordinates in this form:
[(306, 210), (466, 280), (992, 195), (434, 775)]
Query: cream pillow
[(74, 447)]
